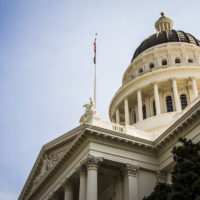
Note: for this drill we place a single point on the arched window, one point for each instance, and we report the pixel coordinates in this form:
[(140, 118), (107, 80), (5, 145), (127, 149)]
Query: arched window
[(134, 117), (190, 60), (154, 108), (177, 60), (164, 62), (183, 101), (169, 104), (151, 66), (140, 70), (144, 112)]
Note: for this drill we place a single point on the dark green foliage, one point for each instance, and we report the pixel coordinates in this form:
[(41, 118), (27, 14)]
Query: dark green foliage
[(185, 175), (186, 172), (160, 192)]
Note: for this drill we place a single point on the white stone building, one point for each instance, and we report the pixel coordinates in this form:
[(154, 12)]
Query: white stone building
[(157, 103)]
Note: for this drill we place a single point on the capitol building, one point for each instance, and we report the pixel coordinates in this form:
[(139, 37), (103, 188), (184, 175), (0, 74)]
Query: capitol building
[(123, 159)]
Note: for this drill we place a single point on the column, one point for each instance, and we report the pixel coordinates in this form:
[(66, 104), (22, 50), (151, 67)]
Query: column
[(157, 100), (194, 87), (130, 182), (68, 191), (92, 166), (117, 116), (161, 177), (136, 113), (83, 185), (118, 188), (126, 108), (53, 196), (176, 96), (147, 103), (139, 102)]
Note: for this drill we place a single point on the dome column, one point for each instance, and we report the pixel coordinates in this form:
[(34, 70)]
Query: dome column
[(126, 108), (139, 102), (194, 87), (117, 116), (157, 100), (176, 96)]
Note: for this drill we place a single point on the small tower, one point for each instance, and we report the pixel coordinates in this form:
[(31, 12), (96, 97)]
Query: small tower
[(163, 23)]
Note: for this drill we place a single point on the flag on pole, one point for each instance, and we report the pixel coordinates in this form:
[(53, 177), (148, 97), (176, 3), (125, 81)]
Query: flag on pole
[(95, 49)]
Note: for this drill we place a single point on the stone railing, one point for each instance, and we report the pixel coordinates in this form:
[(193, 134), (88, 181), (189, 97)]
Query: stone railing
[(110, 126)]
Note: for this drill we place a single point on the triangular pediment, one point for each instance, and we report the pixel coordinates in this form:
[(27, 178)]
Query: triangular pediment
[(48, 157)]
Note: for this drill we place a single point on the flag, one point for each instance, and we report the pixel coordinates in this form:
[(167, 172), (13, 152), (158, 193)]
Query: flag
[(95, 48)]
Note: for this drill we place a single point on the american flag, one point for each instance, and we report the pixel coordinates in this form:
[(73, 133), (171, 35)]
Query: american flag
[(95, 48)]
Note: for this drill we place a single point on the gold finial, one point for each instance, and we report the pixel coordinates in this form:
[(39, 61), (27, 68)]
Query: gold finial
[(162, 14)]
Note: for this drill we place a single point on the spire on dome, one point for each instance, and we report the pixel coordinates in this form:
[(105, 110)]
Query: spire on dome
[(163, 23)]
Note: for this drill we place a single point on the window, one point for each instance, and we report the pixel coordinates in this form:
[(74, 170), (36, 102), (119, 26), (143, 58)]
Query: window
[(164, 62), (154, 108), (183, 101), (151, 66), (140, 70), (134, 117), (190, 60), (177, 60), (169, 104), (144, 112)]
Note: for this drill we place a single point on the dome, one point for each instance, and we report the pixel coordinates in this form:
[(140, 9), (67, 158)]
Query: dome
[(165, 34)]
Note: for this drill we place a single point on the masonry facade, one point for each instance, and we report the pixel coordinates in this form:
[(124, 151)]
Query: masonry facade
[(123, 159)]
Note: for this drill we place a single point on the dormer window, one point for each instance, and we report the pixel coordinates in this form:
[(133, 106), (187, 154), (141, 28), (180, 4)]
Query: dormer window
[(190, 60), (164, 62), (140, 70), (151, 66), (177, 60)]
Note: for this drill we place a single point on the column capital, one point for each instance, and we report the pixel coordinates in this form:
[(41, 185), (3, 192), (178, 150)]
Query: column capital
[(52, 196), (161, 177), (67, 184), (92, 162), (130, 170), (173, 79), (192, 78)]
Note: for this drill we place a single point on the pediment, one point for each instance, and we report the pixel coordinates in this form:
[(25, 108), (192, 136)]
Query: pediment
[(48, 157)]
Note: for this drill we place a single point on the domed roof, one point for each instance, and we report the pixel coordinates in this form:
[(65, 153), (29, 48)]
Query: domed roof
[(165, 34)]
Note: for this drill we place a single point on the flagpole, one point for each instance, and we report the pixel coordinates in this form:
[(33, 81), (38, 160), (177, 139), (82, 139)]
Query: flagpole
[(95, 71)]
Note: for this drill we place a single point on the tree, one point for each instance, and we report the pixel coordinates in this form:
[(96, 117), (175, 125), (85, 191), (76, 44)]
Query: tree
[(185, 175), (160, 192), (186, 172)]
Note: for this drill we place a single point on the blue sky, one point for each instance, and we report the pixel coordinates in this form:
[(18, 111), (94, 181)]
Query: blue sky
[(46, 67)]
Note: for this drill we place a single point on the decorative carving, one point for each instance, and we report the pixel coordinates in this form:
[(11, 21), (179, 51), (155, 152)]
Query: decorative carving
[(92, 162), (161, 177), (47, 163), (130, 170), (53, 196), (89, 111), (67, 184)]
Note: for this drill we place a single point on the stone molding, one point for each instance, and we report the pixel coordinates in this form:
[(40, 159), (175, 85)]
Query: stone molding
[(67, 184), (161, 177), (158, 75), (92, 162), (130, 170)]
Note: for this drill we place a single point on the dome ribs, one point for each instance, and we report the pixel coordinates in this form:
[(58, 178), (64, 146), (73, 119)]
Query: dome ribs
[(165, 37)]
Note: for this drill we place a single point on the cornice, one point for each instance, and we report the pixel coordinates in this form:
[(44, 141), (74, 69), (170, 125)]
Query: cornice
[(123, 89), (159, 48), (88, 133), (116, 139)]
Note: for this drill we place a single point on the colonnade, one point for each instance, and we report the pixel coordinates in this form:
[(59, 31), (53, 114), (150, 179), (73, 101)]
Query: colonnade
[(125, 188), (157, 102)]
